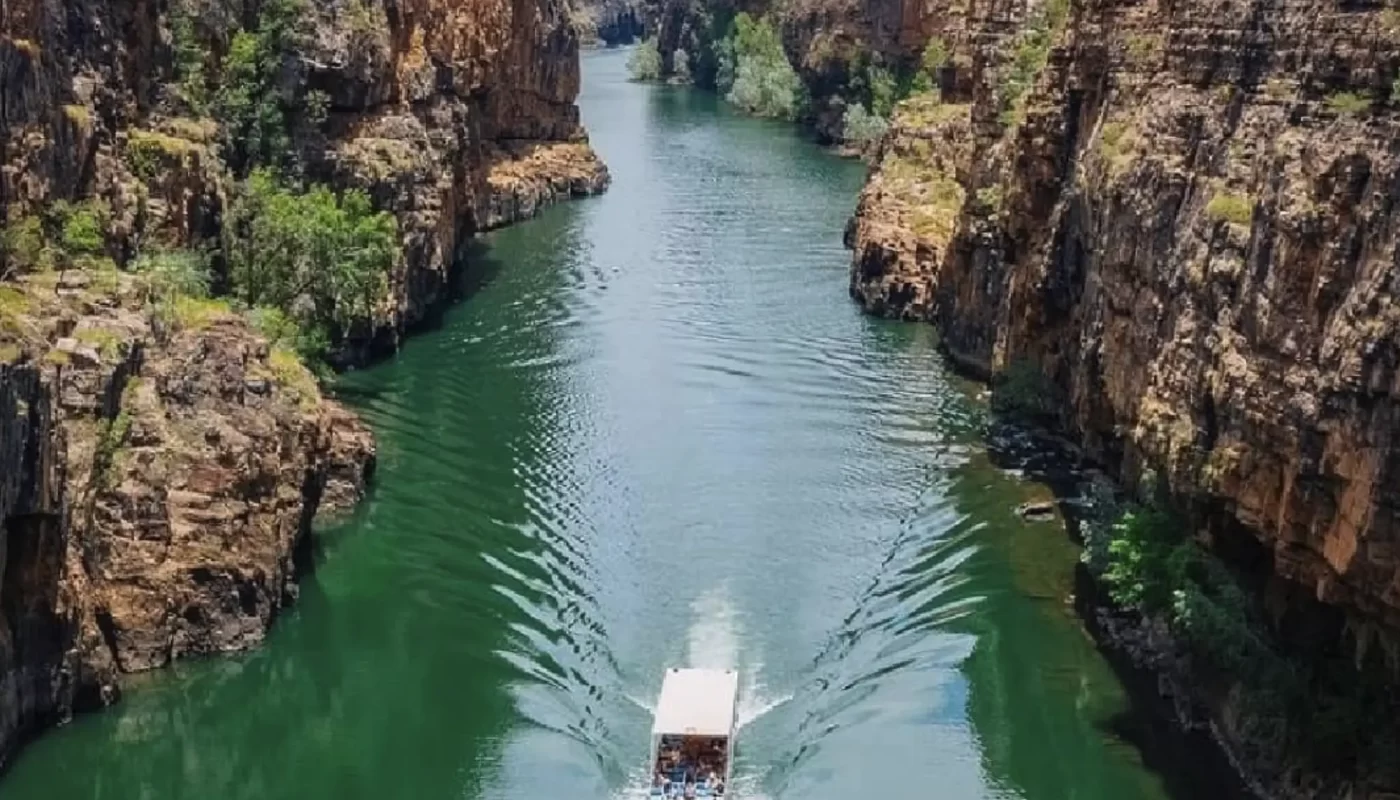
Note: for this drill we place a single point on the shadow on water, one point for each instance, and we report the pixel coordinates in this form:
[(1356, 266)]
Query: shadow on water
[(1189, 762)]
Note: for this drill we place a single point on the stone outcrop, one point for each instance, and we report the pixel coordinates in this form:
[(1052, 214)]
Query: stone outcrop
[(1194, 239), (457, 122), (159, 483), (161, 464), (1186, 222)]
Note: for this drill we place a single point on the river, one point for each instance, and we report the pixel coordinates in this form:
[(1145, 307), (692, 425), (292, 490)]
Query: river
[(656, 432)]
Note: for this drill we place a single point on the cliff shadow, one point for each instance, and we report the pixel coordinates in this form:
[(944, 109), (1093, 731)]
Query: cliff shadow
[(1187, 759)]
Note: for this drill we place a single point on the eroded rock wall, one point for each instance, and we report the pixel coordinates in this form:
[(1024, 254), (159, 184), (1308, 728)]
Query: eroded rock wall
[(457, 117), (1193, 231), (1188, 224), (159, 484)]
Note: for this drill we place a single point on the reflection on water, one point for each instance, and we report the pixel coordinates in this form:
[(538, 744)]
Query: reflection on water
[(655, 433)]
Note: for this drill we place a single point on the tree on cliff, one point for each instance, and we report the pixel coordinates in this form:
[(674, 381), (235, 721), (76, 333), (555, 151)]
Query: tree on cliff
[(323, 260)]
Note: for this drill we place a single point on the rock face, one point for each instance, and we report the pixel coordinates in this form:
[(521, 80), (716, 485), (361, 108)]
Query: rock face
[(158, 486), (1185, 219), (459, 117), (158, 477), (1194, 238), (456, 116)]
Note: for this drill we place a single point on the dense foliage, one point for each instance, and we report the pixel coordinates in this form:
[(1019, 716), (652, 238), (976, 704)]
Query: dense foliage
[(645, 62), (253, 101), (306, 264), (324, 261), (862, 128), (65, 236), (754, 72), (1030, 57)]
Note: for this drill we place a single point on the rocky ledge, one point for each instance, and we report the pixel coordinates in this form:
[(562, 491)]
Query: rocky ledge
[(161, 477)]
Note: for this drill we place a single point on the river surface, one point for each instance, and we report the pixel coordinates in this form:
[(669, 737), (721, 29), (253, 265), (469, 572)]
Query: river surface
[(656, 432)]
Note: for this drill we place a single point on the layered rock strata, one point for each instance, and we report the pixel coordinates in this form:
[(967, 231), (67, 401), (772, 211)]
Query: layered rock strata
[(159, 484), (1185, 220)]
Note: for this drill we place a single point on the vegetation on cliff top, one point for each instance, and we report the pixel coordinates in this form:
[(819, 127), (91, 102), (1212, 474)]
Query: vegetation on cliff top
[(1029, 58), (321, 260), (876, 92)]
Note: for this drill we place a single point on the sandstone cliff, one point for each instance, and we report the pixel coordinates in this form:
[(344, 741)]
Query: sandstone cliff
[(161, 463), (1184, 217), (457, 117), (159, 481)]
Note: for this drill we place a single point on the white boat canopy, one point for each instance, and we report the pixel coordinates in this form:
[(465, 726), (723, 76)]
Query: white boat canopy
[(697, 702)]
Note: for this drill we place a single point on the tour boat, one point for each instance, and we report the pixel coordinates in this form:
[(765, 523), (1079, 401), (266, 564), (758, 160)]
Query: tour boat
[(692, 737)]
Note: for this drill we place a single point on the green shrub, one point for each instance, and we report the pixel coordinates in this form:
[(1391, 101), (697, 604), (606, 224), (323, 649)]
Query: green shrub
[(80, 116), (189, 57), (989, 199), (754, 71), (1030, 57), (934, 57), (323, 259), (645, 62), (24, 247), (1333, 714), (14, 305), (106, 460), (281, 330), (883, 90), (291, 374), (1143, 46), (1117, 144), (931, 63), (1145, 560), (82, 228), (861, 127), (1232, 207), (151, 153), (253, 101), (1348, 103), (193, 313), (168, 274)]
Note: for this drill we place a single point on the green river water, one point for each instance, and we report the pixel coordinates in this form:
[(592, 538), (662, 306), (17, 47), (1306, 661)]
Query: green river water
[(656, 432)]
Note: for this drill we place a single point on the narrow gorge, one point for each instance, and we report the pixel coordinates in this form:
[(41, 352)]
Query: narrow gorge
[(1045, 318)]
